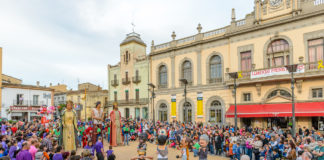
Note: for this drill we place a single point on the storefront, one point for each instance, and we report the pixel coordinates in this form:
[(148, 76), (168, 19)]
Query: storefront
[(308, 114)]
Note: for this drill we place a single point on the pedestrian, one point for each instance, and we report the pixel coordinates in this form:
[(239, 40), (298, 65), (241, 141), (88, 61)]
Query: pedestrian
[(99, 149), (24, 153)]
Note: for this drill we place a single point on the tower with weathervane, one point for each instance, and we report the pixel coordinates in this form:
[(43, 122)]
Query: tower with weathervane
[(128, 79)]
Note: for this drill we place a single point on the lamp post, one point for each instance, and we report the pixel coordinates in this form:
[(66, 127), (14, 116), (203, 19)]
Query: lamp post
[(185, 82), (291, 69), (234, 75), (153, 96)]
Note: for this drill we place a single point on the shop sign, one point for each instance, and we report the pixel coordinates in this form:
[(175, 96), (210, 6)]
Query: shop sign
[(275, 72)]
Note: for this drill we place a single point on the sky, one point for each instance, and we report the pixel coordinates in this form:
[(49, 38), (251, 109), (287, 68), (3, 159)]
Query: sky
[(73, 41)]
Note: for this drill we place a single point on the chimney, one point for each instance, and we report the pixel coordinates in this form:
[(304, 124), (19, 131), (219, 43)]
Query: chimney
[(37, 83), (50, 84), (233, 15)]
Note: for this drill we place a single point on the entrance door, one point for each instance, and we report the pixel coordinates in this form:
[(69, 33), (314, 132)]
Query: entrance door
[(189, 110), (163, 113), (246, 122), (137, 113), (127, 112)]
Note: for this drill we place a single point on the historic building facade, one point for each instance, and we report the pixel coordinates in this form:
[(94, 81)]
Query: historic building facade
[(275, 34), (22, 102), (128, 79), (85, 98)]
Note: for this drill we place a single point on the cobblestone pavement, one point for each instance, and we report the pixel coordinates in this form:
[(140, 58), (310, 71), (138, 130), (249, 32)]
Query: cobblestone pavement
[(127, 152)]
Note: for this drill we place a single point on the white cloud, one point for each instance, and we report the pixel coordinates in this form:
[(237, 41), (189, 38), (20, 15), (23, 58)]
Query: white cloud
[(52, 41)]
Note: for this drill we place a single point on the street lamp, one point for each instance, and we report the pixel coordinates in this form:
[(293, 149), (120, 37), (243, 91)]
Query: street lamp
[(234, 75), (185, 82), (153, 96), (291, 69)]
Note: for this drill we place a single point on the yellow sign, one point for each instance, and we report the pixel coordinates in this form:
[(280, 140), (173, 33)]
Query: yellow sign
[(320, 64), (239, 75), (173, 106), (200, 107)]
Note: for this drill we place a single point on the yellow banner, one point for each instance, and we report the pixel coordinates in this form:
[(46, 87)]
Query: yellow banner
[(200, 108), (173, 106)]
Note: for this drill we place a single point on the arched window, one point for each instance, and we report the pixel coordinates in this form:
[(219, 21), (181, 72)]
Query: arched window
[(163, 76), (163, 112), (279, 92), (189, 112), (215, 69), (215, 112), (187, 71), (278, 53)]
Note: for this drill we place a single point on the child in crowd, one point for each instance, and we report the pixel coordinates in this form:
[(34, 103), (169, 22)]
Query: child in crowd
[(110, 154), (90, 147), (196, 148), (162, 149)]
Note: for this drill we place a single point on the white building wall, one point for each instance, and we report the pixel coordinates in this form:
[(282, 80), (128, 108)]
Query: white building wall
[(9, 95)]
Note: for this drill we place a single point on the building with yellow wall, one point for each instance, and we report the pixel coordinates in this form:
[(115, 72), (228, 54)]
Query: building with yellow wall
[(85, 98), (0, 78), (128, 79), (275, 34)]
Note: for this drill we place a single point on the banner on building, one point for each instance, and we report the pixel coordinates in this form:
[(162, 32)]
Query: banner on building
[(275, 72), (173, 106), (200, 107)]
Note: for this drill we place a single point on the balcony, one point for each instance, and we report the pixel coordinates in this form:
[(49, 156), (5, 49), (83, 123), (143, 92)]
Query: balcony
[(215, 80), (136, 79), (141, 101), (162, 86), (114, 83), (126, 81), (28, 103), (305, 70)]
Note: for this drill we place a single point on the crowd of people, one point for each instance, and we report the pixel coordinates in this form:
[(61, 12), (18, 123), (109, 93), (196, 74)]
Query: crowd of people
[(37, 141)]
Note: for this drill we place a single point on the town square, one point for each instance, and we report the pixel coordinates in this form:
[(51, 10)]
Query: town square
[(162, 80)]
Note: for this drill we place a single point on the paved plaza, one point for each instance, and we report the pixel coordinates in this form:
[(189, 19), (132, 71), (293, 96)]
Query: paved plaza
[(127, 152)]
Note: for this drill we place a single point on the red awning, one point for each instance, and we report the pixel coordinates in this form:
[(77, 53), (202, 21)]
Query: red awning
[(307, 109)]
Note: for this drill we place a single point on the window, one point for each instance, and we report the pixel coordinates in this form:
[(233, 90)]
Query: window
[(163, 112), (127, 57), (115, 77), (35, 100), (126, 75), (137, 95), (115, 96), (20, 99), (186, 71), (137, 74), (279, 92), (315, 52), (163, 76), (126, 95), (278, 53), (246, 62), (246, 97), (215, 112), (215, 69), (145, 113), (317, 93)]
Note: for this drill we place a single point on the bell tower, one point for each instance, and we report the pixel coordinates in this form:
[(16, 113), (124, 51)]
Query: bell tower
[(268, 10)]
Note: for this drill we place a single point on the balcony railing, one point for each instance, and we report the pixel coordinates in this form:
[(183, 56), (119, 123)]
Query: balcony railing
[(137, 79), (215, 80), (126, 81), (25, 108), (114, 82), (161, 86), (28, 103), (140, 101)]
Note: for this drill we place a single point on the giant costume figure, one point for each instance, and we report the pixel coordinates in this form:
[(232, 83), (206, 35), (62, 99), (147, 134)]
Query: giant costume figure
[(68, 136), (115, 131)]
